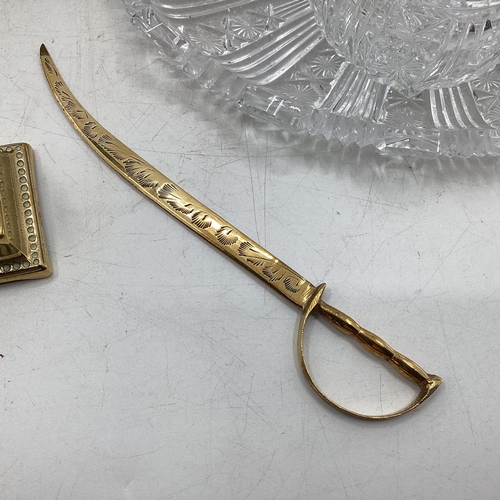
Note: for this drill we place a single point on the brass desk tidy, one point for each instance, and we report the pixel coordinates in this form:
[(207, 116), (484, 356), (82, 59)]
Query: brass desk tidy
[(231, 241), (23, 254)]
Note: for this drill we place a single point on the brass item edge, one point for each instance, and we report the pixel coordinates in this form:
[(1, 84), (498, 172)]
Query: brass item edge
[(21, 226)]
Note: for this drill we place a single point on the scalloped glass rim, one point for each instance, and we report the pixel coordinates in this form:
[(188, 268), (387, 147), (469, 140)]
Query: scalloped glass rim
[(456, 121)]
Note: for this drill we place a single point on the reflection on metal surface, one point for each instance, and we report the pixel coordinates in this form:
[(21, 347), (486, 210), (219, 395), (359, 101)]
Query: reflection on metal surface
[(230, 241), (23, 254)]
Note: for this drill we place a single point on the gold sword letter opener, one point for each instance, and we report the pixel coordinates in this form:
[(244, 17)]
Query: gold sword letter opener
[(233, 243)]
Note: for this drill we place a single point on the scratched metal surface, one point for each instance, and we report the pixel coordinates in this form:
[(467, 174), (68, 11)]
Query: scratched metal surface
[(151, 367)]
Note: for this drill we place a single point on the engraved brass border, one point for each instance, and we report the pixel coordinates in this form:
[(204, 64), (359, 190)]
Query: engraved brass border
[(23, 252)]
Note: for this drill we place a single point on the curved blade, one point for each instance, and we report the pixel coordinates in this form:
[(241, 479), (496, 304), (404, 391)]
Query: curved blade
[(172, 198)]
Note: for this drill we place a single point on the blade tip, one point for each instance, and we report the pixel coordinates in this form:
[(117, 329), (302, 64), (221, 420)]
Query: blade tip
[(43, 50)]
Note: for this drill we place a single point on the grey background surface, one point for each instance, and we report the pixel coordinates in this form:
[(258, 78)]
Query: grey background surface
[(151, 367)]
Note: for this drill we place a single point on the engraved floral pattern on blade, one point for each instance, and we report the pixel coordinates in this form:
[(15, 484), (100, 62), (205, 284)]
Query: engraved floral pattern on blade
[(135, 167), (226, 236), (69, 103), (50, 68), (172, 195), (179, 203), (273, 269)]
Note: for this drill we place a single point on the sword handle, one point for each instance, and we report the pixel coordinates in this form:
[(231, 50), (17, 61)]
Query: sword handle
[(428, 383)]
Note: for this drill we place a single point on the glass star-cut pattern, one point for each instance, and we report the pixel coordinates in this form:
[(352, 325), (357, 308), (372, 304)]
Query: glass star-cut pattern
[(270, 59)]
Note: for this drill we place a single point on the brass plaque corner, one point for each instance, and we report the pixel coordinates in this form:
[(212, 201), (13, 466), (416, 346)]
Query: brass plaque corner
[(23, 253)]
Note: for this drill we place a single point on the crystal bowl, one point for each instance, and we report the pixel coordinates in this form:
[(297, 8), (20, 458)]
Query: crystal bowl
[(414, 44), (272, 60)]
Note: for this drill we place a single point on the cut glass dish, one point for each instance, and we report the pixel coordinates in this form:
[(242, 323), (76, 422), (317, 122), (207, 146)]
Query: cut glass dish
[(416, 77)]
